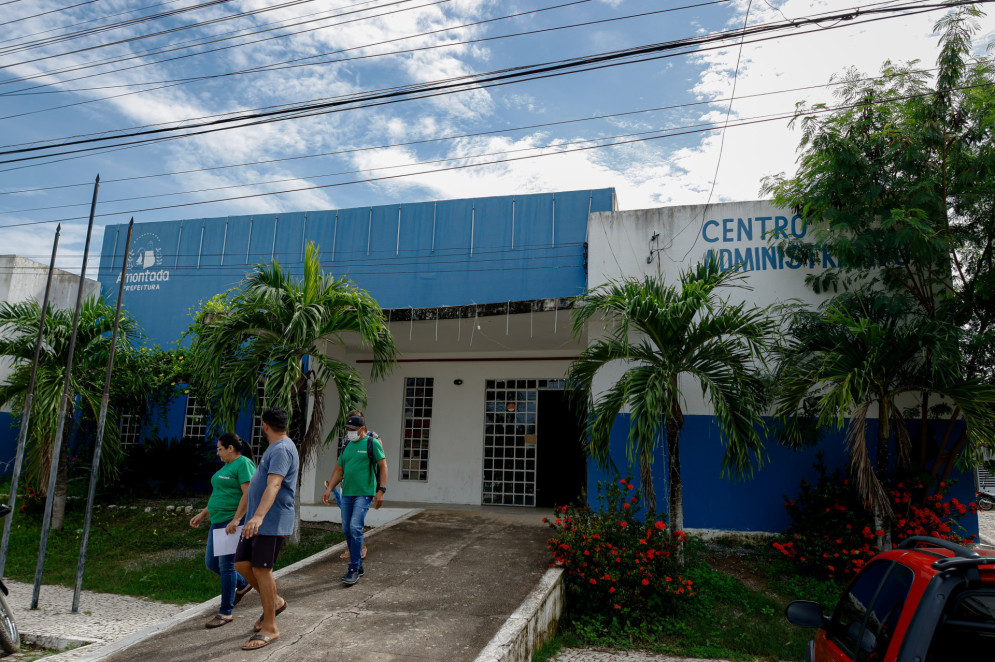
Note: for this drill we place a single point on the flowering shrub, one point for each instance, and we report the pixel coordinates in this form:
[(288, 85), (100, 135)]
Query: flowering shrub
[(832, 532), (31, 502), (614, 561)]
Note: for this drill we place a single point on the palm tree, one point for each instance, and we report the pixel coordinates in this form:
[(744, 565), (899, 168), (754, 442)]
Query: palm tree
[(18, 333), (865, 350), (660, 334), (266, 328)]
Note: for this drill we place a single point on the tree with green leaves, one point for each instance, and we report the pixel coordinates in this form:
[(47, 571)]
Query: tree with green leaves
[(18, 333), (898, 182), (661, 334), (859, 354), (275, 330)]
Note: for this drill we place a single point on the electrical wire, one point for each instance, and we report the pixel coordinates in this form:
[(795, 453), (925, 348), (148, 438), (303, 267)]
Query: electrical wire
[(352, 150), (528, 72), (451, 44), (496, 162), (46, 13)]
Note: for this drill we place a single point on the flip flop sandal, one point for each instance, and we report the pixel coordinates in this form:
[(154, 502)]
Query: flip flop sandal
[(258, 637), (218, 621), (257, 627), (241, 594)]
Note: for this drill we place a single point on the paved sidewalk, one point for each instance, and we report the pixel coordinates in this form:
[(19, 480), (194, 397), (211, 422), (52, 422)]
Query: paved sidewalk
[(438, 586), (102, 617)]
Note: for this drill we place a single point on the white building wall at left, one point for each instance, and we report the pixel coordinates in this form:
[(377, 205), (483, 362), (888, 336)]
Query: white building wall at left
[(22, 279)]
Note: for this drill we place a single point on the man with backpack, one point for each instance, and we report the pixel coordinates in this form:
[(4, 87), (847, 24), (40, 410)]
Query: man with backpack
[(362, 470)]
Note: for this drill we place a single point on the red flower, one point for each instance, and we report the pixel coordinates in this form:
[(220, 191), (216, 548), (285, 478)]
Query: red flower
[(623, 524), (660, 525), (646, 582)]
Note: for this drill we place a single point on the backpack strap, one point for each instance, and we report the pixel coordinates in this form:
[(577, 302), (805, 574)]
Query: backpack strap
[(369, 456)]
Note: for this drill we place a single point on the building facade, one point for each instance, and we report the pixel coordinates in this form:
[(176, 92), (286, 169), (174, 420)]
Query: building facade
[(478, 296)]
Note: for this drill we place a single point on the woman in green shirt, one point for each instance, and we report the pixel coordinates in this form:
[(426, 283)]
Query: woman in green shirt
[(225, 509)]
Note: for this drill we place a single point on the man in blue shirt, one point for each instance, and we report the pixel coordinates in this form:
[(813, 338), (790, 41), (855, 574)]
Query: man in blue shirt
[(270, 500)]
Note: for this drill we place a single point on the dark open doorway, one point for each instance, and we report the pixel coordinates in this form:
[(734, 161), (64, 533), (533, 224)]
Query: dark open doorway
[(561, 466)]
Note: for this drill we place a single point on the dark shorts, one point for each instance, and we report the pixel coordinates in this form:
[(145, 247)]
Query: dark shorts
[(260, 550)]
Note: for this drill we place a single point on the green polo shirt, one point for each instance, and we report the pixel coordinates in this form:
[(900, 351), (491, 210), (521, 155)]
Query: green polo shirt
[(226, 489), (358, 480)]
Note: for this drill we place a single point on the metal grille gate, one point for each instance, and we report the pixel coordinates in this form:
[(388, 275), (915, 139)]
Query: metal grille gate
[(510, 439)]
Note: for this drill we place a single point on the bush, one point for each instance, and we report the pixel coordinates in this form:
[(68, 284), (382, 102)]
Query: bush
[(832, 531), (615, 563), (167, 467)]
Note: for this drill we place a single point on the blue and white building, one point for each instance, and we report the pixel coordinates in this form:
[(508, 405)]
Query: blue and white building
[(477, 294)]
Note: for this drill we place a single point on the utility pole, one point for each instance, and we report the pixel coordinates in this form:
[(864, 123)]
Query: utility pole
[(63, 406), (101, 422)]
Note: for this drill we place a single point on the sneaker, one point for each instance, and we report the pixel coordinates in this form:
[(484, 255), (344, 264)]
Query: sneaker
[(361, 571), (351, 577)]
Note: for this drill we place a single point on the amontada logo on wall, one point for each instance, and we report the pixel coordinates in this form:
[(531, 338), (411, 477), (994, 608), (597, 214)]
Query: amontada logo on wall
[(144, 265)]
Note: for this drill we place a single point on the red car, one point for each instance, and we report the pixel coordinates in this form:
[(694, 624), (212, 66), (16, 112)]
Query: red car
[(927, 600)]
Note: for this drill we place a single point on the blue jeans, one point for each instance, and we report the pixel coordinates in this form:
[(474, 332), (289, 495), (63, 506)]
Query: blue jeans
[(224, 567), (354, 509)]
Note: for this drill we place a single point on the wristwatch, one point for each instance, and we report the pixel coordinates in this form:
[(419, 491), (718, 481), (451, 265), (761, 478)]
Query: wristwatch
[(382, 489)]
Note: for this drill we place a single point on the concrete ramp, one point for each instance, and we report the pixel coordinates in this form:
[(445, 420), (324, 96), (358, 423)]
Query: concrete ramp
[(438, 586)]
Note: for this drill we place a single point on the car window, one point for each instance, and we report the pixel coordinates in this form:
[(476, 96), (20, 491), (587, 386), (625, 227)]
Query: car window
[(865, 618), (967, 629), (887, 608)]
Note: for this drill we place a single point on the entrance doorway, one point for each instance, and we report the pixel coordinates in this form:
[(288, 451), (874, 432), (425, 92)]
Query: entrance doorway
[(532, 451), (560, 453)]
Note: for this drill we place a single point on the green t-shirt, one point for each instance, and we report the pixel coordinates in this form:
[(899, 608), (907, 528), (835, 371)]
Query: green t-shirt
[(226, 489), (358, 479)]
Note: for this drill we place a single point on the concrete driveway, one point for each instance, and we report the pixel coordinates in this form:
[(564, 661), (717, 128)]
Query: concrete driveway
[(438, 586)]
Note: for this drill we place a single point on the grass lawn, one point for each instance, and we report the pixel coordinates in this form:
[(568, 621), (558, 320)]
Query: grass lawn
[(157, 555), (740, 614)]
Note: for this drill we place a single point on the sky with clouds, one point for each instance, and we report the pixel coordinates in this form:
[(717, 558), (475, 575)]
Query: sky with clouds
[(202, 61)]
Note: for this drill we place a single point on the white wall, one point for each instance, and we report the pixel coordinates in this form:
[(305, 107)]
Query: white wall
[(456, 448), (22, 279), (621, 242)]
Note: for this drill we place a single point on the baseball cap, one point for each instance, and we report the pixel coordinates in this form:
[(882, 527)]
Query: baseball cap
[(354, 422)]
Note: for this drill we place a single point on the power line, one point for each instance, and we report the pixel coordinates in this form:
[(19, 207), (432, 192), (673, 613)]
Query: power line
[(91, 20), (141, 19), (496, 162), (448, 138), (46, 13), (489, 79), (260, 70), (118, 60), (555, 145)]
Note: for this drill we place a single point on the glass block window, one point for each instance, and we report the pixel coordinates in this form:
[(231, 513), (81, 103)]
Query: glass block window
[(130, 430), (416, 430), (195, 419), (510, 414)]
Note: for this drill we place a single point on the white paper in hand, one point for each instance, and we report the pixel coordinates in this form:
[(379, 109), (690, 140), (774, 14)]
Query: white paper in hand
[(224, 543)]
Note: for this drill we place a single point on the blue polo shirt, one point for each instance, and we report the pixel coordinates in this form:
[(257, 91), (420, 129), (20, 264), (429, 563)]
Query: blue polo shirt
[(279, 458)]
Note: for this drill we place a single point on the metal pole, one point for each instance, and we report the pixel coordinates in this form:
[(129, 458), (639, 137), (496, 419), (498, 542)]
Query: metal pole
[(22, 435), (101, 421), (63, 406)]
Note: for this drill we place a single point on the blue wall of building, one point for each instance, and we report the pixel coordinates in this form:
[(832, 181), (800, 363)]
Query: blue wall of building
[(757, 504), (453, 252)]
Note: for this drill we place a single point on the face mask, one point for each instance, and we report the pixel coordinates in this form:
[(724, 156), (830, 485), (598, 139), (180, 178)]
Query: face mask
[(352, 435)]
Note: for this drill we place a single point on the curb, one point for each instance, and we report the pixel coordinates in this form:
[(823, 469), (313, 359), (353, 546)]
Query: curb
[(197, 610), (532, 625)]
